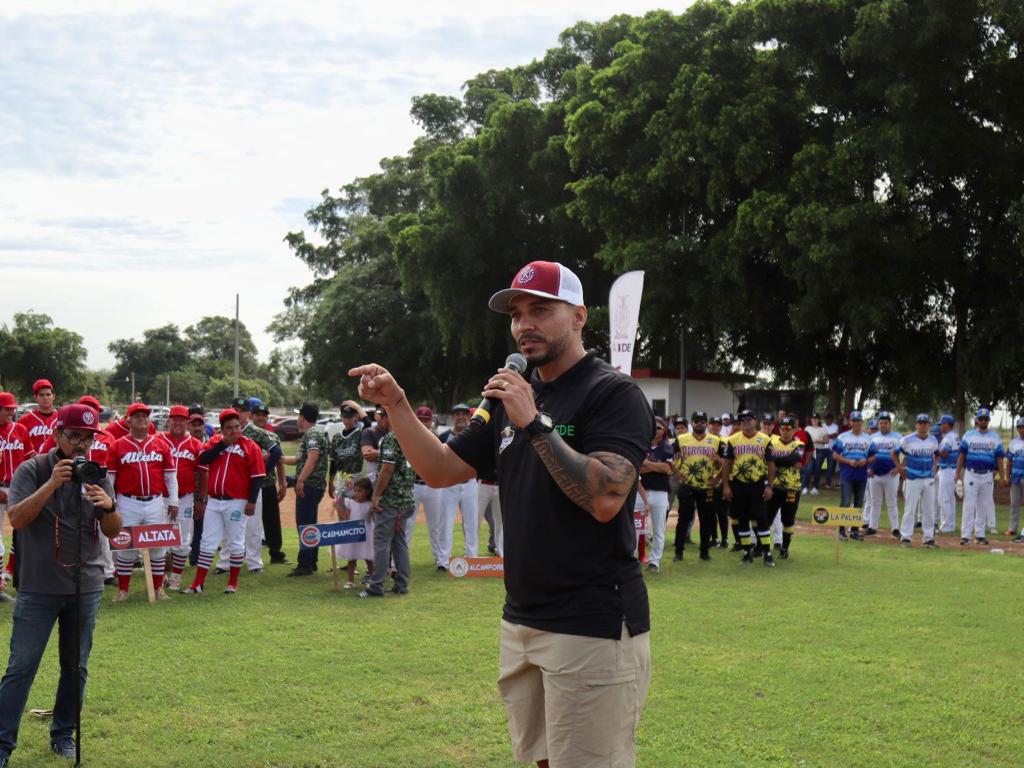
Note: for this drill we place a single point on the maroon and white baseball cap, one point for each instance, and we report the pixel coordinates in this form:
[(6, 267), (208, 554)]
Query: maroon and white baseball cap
[(547, 279), (41, 384), (137, 408), (423, 413), (77, 416)]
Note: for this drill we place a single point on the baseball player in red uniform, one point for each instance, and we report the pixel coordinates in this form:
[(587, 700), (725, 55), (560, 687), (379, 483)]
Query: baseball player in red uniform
[(143, 472), (185, 449), (15, 447), (231, 474), (39, 422)]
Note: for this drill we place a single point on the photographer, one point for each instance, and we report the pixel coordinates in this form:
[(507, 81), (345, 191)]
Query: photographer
[(57, 515)]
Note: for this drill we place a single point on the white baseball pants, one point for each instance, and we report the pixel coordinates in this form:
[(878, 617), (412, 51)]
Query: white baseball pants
[(947, 499), (884, 488), (224, 521), (487, 496), (979, 503), (135, 512), (919, 494), (253, 540), (430, 498), (186, 524), (463, 496)]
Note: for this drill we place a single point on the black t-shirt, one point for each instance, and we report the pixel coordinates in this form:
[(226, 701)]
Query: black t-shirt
[(658, 481), (564, 571)]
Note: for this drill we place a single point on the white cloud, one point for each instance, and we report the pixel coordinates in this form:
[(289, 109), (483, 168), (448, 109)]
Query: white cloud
[(153, 155)]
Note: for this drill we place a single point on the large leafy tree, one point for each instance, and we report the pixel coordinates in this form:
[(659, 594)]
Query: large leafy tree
[(34, 348)]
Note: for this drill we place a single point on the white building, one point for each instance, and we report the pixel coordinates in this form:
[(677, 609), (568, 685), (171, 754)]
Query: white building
[(715, 393)]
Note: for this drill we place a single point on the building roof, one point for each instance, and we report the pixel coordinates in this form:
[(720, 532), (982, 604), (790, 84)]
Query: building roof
[(692, 375)]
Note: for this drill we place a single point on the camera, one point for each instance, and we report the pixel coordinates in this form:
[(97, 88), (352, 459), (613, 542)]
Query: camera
[(88, 472)]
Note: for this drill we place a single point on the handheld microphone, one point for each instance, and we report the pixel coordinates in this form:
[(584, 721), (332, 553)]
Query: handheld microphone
[(482, 415)]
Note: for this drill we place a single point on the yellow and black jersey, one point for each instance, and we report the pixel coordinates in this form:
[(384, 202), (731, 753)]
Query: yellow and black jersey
[(697, 460), (747, 457), (787, 458)]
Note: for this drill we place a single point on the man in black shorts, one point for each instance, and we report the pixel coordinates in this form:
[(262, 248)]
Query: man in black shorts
[(567, 444)]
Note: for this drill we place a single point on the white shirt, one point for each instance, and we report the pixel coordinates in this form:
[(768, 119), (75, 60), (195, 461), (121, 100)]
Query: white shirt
[(833, 431)]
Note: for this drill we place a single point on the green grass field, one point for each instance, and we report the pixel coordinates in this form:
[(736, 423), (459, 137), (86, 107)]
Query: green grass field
[(893, 658)]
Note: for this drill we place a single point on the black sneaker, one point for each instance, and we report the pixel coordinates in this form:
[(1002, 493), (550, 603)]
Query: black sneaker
[(63, 746), (905, 542), (442, 569), (300, 572), (678, 557), (982, 540), (930, 544), (855, 534), (652, 567), (748, 558), (280, 561), (917, 524), (784, 554), (368, 593), (777, 548), (219, 571), (725, 544), (896, 533), (737, 547), (397, 591), (869, 531), (769, 561), (704, 555), (842, 534), (1018, 539), (964, 542)]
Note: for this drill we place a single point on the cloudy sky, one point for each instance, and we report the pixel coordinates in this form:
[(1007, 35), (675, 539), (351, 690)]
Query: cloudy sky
[(153, 154)]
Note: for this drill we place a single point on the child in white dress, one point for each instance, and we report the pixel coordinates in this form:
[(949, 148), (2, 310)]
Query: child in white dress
[(356, 508)]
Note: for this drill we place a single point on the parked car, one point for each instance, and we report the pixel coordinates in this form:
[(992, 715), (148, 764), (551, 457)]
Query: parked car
[(287, 428)]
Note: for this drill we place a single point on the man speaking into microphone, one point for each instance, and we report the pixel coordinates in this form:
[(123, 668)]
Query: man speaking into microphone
[(567, 444)]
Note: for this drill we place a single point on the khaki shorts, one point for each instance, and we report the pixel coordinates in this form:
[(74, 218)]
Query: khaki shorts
[(571, 699)]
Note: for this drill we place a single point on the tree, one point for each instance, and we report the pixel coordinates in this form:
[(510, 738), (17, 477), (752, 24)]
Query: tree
[(212, 339), (33, 348)]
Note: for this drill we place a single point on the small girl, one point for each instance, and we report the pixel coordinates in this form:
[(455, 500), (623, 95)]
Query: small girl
[(356, 508)]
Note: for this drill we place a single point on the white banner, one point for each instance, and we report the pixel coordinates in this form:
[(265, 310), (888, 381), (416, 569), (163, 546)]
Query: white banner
[(624, 314)]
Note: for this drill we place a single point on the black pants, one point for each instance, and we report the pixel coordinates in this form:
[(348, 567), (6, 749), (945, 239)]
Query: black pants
[(722, 513), (785, 504), (750, 512), (701, 501), (272, 522), (306, 507)]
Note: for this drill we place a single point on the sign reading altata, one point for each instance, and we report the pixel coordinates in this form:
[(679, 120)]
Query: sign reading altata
[(624, 314)]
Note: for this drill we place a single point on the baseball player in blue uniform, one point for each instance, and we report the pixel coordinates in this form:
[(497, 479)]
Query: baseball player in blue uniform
[(883, 475), (919, 452), (979, 463), (850, 454), (1015, 457), (949, 452)]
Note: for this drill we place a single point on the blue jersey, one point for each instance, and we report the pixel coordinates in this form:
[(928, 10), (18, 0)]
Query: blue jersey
[(982, 449), (949, 445), (852, 447), (1016, 457), (918, 455), (881, 448)]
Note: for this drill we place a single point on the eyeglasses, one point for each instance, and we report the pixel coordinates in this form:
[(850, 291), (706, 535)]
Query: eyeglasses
[(85, 439)]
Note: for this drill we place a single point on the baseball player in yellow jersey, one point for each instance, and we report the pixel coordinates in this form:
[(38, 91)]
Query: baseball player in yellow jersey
[(698, 467), (745, 486), (786, 453)]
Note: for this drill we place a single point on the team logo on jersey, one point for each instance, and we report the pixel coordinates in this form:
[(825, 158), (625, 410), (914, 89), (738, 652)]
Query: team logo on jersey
[(235, 449), (138, 457), (458, 567), (11, 445), (88, 418), (310, 536), (40, 430), (183, 454), (508, 434), (526, 275), (820, 515)]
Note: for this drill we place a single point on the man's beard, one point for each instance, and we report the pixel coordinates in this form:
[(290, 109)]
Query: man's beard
[(555, 349)]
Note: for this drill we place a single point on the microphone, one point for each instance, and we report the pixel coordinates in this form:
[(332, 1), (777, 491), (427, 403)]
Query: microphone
[(482, 414)]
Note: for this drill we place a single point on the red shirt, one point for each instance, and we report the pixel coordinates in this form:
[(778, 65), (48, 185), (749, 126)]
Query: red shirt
[(15, 447), (39, 427), (140, 465), (186, 457), (234, 468), (802, 435), (100, 448), (119, 429)]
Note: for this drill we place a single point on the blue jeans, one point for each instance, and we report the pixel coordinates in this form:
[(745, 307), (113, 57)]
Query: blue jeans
[(34, 615), (305, 514), (820, 454), (852, 491)]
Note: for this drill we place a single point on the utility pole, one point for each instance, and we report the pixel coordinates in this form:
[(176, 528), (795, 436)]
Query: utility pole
[(682, 372), (236, 345), (168, 401), (133, 387)]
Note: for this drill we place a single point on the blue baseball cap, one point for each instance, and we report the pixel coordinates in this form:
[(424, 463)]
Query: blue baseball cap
[(253, 403), (947, 419), (885, 415), (872, 423), (856, 416), (983, 413), (923, 418)]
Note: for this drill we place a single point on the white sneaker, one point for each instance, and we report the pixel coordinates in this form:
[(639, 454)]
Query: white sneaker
[(230, 590), (162, 595), (121, 596), (192, 591), (173, 582), (814, 491), (804, 491)]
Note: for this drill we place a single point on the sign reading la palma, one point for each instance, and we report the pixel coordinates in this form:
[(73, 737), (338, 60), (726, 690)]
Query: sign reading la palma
[(147, 537)]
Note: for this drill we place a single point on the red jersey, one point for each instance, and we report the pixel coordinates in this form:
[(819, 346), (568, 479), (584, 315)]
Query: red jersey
[(804, 437), (119, 429), (15, 447), (39, 427), (186, 457), (140, 465), (234, 468)]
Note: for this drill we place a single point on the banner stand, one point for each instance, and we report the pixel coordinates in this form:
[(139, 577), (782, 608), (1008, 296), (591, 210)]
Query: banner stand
[(334, 569), (838, 540), (147, 567)]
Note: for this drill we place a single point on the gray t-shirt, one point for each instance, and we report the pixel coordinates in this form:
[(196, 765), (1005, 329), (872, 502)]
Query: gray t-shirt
[(43, 566)]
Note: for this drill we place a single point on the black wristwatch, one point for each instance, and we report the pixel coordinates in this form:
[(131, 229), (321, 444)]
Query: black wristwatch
[(541, 425)]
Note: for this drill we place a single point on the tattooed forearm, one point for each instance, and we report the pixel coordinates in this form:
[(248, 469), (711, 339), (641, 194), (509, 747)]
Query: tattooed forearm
[(598, 483)]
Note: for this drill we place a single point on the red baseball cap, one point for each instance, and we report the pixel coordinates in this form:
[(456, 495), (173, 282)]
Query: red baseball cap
[(41, 384), (424, 413), (91, 401), (7, 400), (77, 416), (228, 413), (178, 410), (547, 279), (138, 408)]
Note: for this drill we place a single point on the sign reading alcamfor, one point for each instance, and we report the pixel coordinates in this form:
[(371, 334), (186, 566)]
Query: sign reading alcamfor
[(327, 534), (624, 316), (835, 517)]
